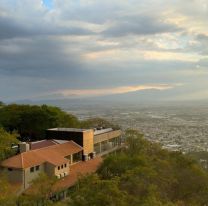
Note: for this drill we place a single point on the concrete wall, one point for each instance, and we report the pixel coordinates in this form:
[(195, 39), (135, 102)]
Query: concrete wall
[(14, 176), (106, 136), (29, 176), (49, 169), (88, 142)]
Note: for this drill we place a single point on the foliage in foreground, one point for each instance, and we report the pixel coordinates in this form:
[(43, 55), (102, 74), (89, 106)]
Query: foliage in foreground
[(144, 175), (6, 140), (39, 192), (7, 194)]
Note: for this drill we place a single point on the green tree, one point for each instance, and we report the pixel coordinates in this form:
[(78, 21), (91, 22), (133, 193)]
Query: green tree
[(6, 142), (2, 104), (150, 175), (32, 121), (39, 191), (91, 190), (98, 122), (7, 194)]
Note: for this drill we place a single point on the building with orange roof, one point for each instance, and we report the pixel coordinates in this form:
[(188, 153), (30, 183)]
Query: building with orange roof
[(53, 160), (65, 153)]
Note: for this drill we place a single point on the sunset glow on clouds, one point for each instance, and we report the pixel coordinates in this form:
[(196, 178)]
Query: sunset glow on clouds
[(88, 46), (116, 90)]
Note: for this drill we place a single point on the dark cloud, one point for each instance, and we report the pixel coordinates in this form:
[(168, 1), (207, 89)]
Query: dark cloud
[(198, 45), (202, 37), (10, 28), (40, 57), (139, 25)]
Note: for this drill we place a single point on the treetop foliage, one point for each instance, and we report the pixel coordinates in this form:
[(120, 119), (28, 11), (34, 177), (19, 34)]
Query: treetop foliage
[(6, 142), (144, 174), (31, 121), (98, 122)]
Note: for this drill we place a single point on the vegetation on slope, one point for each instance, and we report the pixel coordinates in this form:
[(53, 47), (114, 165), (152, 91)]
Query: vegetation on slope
[(144, 174), (97, 122), (6, 141), (7, 192)]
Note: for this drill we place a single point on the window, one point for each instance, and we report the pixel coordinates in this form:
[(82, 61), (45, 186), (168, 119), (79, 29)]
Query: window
[(77, 157), (64, 165), (32, 169), (10, 169), (37, 167), (58, 167)]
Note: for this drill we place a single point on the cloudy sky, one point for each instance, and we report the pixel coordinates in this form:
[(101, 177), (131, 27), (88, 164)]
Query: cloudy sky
[(77, 48)]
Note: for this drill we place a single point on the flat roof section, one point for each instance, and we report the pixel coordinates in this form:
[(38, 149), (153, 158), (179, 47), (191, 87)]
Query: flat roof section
[(101, 131), (68, 129), (45, 143)]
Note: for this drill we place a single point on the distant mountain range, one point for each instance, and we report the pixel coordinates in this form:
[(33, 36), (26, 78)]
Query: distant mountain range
[(142, 97)]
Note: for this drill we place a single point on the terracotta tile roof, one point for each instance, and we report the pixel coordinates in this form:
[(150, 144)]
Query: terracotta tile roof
[(54, 154), (81, 168), (41, 144)]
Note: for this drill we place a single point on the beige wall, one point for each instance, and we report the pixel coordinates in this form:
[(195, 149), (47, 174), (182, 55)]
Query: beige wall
[(88, 145), (106, 136), (62, 171), (29, 176)]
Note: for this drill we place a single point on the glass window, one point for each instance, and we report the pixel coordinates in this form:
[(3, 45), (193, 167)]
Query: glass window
[(64, 165), (77, 157), (37, 167), (58, 167), (32, 169)]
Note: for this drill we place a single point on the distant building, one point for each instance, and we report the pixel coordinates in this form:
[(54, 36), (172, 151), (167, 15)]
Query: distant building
[(65, 153)]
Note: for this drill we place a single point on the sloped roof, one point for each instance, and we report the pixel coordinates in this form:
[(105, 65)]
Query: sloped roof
[(41, 144), (76, 171), (53, 154), (46, 143)]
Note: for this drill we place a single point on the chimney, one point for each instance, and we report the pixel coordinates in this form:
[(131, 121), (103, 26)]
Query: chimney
[(24, 147)]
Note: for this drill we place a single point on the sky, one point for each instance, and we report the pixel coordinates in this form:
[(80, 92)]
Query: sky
[(54, 49)]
